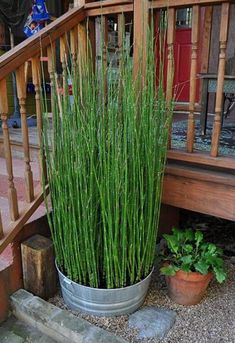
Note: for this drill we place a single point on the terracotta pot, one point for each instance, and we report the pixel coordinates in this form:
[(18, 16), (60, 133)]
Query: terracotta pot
[(187, 288)]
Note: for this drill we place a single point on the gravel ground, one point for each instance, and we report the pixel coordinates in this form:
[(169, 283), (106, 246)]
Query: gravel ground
[(211, 321)]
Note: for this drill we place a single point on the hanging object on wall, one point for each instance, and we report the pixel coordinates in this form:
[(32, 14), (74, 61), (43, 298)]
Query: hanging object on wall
[(37, 18)]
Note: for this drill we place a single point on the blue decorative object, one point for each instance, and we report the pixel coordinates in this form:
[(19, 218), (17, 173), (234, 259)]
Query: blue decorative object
[(36, 18), (31, 27), (39, 11)]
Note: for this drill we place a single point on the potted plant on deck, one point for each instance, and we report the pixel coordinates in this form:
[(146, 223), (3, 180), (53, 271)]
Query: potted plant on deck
[(105, 175), (189, 264)]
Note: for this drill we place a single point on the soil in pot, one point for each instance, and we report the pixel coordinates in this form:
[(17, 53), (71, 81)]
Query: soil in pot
[(187, 288)]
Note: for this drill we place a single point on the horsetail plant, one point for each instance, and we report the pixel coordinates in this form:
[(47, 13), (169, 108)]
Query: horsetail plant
[(105, 171)]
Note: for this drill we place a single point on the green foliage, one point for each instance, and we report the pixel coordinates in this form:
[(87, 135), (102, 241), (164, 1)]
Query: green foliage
[(187, 251), (105, 172)]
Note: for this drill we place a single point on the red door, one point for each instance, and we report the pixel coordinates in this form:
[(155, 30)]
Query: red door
[(182, 55), (182, 64)]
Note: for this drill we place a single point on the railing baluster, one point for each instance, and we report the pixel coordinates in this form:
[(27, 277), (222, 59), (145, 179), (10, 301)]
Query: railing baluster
[(170, 60), (220, 80), (193, 77), (37, 84), (104, 31), (63, 59), (1, 227), (51, 71), (121, 30), (74, 45), (21, 91), (12, 195), (141, 17), (92, 40)]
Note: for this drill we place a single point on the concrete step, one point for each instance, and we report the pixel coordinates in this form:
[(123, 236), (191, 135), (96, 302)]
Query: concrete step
[(15, 331), (60, 325)]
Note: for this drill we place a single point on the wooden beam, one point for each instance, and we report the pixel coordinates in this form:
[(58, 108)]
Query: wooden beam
[(32, 46)]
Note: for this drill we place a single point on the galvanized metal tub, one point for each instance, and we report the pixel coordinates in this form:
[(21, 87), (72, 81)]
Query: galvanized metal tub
[(103, 302)]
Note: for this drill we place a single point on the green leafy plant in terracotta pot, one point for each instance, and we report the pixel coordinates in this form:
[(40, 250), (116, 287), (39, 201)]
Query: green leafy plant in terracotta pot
[(189, 264)]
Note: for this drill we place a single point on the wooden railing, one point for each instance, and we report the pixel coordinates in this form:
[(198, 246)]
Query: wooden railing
[(65, 32), (29, 53)]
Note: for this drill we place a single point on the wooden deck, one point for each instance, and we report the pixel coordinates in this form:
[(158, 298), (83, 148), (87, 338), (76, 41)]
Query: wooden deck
[(192, 185)]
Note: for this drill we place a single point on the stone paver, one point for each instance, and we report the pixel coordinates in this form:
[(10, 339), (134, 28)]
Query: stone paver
[(7, 336), (15, 331), (152, 322), (56, 323)]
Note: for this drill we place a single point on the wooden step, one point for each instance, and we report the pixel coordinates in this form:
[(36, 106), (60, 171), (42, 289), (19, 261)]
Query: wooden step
[(28, 212)]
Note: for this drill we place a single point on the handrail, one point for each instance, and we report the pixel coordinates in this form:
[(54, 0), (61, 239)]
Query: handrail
[(106, 3), (32, 46), (184, 3)]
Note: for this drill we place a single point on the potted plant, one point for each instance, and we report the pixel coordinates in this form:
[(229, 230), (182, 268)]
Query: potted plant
[(189, 264), (105, 174)]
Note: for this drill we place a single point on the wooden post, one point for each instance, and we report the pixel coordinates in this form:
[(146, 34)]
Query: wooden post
[(220, 80), (170, 60), (141, 20), (21, 91), (12, 195), (37, 82), (193, 77), (39, 273)]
